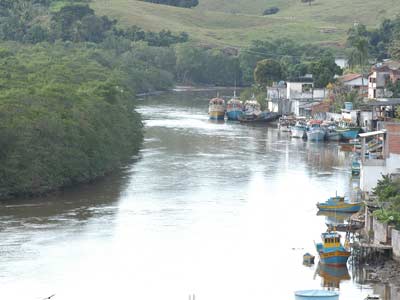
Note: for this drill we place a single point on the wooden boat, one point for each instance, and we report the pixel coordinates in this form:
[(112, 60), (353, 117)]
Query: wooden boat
[(316, 295), (308, 259), (299, 130), (331, 251), (332, 134), (349, 227), (315, 132), (234, 108), (252, 113), (337, 204), (216, 109), (347, 131)]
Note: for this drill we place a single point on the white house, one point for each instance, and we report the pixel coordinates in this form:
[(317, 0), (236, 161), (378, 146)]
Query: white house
[(380, 76)]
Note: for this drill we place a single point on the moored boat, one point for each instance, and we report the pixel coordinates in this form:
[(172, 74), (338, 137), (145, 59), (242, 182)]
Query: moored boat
[(332, 134), (298, 130), (337, 204), (216, 109), (316, 295), (348, 132), (234, 108), (315, 132), (331, 251)]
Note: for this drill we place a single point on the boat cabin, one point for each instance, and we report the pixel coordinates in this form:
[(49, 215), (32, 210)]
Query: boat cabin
[(331, 240)]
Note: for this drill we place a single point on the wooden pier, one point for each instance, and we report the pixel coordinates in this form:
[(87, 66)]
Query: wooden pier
[(371, 252)]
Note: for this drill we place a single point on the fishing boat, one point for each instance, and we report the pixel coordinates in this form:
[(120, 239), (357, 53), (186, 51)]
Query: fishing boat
[(348, 132), (337, 204), (332, 134), (234, 108), (308, 259), (298, 130), (331, 251), (316, 295), (285, 123), (315, 132), (216, 109)]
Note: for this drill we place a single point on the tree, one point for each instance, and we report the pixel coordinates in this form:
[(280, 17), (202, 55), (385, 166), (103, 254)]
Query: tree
[(359, 55), (267, 71), (324, 70), (394, 48)]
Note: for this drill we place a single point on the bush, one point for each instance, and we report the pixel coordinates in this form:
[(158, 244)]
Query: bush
[(271, 11)]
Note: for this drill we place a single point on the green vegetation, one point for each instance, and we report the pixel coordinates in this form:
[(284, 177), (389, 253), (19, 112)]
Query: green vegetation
[(178, 3), (237, 23), (388, 195)]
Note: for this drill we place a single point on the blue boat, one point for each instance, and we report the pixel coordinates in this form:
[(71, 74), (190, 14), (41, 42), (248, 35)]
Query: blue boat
[(348, 133), (331, 251), (337, 204), (316, 295), (234, 108)]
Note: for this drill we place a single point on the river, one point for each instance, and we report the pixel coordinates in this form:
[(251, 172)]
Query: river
[(219, 210)]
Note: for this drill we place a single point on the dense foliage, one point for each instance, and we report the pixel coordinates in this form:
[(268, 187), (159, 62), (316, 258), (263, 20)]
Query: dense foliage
[(64, 118), (295, 59), (388, 195), (382, 42), (179, 3)]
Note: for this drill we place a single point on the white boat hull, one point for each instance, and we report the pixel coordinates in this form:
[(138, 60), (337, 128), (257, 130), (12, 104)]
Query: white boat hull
[(316, 135), (297, 132)]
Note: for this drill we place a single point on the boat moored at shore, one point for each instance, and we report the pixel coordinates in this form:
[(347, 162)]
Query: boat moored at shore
[(216, 109), (338, 204), (234, 108), (315, 132), (331, 251), (298, 130)]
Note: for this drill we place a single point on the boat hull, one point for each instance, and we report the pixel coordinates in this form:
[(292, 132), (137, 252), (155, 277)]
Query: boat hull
[(316, 135), (234, 115), (343, 207), (333, 136), (334, 258), (216, 115), (349, 134), (297, 132)]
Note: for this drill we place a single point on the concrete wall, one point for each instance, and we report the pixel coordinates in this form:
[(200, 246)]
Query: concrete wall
[(396, 244), (370, 175), (381, 233)]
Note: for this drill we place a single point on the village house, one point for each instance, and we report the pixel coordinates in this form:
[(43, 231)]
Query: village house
[(295, 97), (356, 82), (380, 154), (380, 76)]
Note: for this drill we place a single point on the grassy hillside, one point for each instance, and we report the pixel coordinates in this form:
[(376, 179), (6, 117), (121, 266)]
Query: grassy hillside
[(237, 22)]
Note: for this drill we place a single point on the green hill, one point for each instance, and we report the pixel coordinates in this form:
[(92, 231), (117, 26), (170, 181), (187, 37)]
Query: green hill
[(237, 22)]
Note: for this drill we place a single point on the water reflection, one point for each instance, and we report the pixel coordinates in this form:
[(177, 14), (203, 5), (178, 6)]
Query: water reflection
[(332, 276)]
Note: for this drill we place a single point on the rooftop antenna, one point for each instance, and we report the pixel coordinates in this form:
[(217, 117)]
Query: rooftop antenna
[(234, 91)]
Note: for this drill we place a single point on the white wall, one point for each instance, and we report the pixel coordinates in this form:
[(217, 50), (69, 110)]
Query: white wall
[(370, 175), (358, 82)]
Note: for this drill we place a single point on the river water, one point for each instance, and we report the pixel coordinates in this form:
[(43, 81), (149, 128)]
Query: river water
[(219, 210)]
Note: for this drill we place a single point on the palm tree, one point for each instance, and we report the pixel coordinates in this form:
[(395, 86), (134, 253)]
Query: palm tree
[(359, 55)]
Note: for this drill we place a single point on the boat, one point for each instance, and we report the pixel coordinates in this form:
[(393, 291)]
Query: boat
[(234, 108), (348, 132), (216, 109), (298, 130), (285, 123), (331, 251), (332, 275), (332, 134), (252, 113), (316, 295), (373, 297), (337, 204), (315, 132), (308, 259), (348, 227)]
